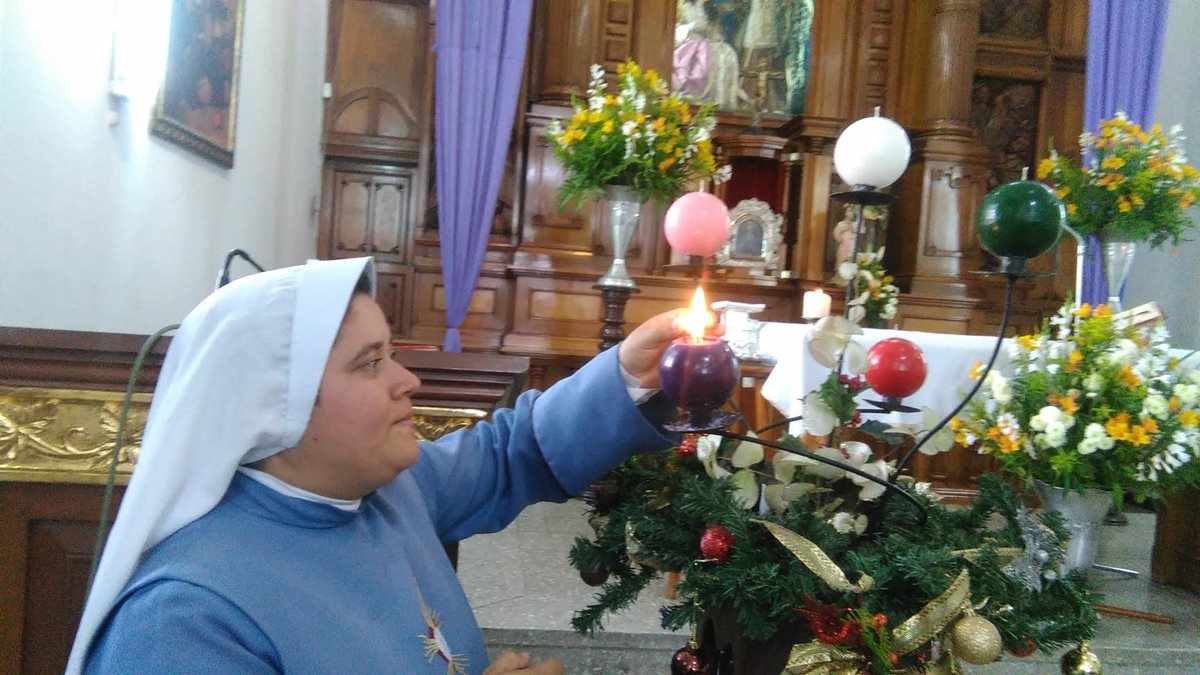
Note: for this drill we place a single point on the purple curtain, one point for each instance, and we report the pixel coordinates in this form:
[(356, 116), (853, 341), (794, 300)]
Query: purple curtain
[(480, 50), (1125, 40)]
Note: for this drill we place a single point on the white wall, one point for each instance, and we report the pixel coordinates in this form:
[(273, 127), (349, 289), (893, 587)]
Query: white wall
[(1172, 277), (110, 229)]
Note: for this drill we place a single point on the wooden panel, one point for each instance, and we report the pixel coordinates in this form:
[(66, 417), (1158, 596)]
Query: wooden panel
[(369, 210), (564, 42), (60, 558), (1176, 558), (352, 206), (378, 66), (487, 313), (48, 532), (543, 224), (1025, 19), (392, 292)]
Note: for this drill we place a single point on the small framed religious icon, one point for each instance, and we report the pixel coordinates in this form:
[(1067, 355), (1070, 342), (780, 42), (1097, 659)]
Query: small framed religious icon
[(755, 237), (197, 106)]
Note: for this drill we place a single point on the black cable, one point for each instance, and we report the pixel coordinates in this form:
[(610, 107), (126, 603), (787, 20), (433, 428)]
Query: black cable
[(118, 443), (1008, 291), (223, 273)]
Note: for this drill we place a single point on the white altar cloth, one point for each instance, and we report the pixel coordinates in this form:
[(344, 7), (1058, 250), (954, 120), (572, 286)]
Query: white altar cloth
[(949, 359)]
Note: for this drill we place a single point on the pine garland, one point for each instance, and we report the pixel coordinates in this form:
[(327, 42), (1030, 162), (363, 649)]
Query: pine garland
[(665, 501)]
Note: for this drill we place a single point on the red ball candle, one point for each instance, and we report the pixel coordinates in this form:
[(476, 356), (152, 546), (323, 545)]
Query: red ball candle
[(895, 367)]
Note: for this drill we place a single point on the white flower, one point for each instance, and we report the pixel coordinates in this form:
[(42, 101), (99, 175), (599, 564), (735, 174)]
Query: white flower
[(746, 454), (1188, 394), (595, 103), (847, 270), (942, 441), (1001, 390), (596, 71), (746, 490), (555, 128), (1094, 383), (871, 490), (819, 418), (706, 451), (857, 313), (723, 174), (1156, 405), (846, 522)]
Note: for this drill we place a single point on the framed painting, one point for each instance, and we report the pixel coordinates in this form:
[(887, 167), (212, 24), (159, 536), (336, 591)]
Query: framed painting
[(197, 106)]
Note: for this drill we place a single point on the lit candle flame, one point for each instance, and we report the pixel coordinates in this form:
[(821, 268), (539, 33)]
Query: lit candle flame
[(697, 317)]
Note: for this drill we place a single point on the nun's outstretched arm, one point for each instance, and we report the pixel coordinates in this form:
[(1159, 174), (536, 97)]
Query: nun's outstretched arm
[(548, 447)]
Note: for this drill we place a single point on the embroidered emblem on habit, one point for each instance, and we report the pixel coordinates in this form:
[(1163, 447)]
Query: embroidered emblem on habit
[(435, 642)]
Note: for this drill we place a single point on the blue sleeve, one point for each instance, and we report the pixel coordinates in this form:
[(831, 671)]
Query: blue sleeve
[(174, 626), (547, 447)]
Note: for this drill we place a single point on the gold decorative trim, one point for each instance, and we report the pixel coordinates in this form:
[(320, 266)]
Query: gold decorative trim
[(68, 435)]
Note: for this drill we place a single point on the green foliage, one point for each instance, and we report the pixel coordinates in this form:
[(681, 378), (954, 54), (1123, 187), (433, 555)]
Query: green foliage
[(665, 502)]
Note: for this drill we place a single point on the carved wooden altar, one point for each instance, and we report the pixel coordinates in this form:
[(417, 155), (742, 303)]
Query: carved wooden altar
[(60, 393), (981, 85)]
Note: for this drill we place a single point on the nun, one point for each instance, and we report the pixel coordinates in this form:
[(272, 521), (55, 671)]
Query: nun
[(283, 516)]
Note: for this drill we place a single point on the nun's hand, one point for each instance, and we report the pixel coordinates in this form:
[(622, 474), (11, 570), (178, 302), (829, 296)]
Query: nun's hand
[(641, 351)]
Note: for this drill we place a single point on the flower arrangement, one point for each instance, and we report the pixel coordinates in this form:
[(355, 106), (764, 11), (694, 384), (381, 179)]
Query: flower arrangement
[(640, 136), (1091, 404), (1136, 185), (875, 296)]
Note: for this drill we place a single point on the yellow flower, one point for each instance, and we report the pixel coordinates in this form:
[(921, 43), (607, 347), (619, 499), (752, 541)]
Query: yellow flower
[(1084, 311), (1073, 360), (595, 116), (1045, 168), (956, 424), (1027, 342), (1137, 200), (640, 118), (608, 127), (658, 123), (977, 370), (1189, 418), (1150, 425), (1129, 378), (1138, 435), (1009, 445), (666, 164), (1071, 209), (610, 100), (1103, 310), (1123, 205), (1062, 191), (1189, 198), (1118, 427), (1067, 403), (1174, 404), (1112, 162)]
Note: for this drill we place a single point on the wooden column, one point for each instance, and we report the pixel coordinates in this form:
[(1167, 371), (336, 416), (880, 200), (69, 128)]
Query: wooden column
[(933, 251)]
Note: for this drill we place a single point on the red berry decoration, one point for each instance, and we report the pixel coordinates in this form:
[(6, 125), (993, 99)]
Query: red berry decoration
[(715, 543), (895, 367), (687, 447), (1027, 650), (687, 662)]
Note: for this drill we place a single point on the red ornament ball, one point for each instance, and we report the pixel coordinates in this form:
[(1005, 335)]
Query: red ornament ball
[(1027, 650), (716, 542), (687, 447), (896, 367), (687, 662)]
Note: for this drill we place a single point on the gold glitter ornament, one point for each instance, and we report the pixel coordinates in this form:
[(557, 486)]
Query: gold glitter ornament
[(1080, 661), (976, 640)]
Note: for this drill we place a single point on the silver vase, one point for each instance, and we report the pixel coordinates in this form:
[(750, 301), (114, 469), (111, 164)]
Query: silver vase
[(1083, 515), (1118, 261), (624, 209)]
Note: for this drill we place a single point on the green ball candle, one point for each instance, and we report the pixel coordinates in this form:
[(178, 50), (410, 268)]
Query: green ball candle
[(1021, 219)]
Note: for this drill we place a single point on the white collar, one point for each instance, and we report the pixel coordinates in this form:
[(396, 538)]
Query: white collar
[(289, 490)]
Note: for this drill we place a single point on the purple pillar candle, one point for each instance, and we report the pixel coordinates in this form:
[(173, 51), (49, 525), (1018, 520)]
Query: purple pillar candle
[(698, 374)]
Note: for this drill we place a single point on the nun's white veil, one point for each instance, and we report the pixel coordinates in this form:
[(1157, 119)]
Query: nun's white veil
[(238, 384)]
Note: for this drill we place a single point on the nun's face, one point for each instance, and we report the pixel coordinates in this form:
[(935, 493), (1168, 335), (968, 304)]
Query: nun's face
[(360, 435)]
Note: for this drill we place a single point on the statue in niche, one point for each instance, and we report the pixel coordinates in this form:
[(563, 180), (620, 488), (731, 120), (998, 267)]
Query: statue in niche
[(705, 66), (872, 237)]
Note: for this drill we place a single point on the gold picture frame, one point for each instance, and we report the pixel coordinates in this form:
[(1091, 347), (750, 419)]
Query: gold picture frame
[(197, 105)]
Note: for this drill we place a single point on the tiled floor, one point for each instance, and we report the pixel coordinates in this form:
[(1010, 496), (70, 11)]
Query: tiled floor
[(524, 593)]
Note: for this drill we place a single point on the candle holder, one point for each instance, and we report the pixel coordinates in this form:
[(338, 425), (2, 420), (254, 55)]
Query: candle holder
[(698, 375)]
